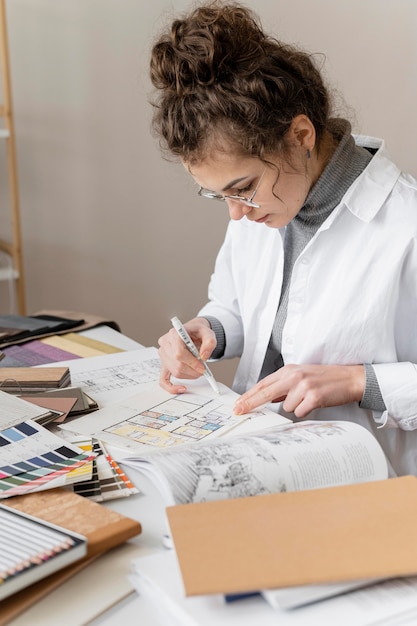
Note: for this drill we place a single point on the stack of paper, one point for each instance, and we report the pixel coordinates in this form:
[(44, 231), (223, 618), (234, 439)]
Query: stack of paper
[(157, 579)]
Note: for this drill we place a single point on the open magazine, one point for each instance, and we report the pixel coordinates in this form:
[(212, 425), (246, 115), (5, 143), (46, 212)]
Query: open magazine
[(286, 457)]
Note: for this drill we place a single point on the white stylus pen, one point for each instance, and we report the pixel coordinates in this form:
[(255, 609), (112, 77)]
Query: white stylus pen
[(192, 348)]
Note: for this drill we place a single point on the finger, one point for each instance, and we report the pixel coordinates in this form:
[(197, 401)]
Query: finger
[(302, 402), (208, 344), (173, 350), (180, 362), (165, 383), (294, 399), (267, 390), (181, 369), (205, 342)]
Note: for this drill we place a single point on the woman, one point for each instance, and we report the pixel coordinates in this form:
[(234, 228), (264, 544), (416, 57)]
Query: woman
[(315, 286)]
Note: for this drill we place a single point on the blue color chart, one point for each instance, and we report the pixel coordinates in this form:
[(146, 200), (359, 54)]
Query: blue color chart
[(30, 456)]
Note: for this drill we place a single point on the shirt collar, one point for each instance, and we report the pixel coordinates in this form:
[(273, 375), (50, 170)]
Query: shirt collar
[(370, 190)]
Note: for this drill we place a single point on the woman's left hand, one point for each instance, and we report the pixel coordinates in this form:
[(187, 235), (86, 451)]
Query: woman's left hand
[(303, 388)]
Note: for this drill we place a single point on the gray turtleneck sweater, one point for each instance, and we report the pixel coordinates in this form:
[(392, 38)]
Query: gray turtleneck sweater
[(345, 165)]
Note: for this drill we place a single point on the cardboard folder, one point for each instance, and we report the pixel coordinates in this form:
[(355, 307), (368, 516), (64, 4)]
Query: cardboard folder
[(317, 536)]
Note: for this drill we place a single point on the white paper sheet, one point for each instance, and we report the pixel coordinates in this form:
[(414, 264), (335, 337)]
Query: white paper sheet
[(14, 410), (383, 604), (155, 419), (112, 377)]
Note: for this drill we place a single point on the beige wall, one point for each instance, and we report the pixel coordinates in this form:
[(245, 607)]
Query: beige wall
[(108, 225)]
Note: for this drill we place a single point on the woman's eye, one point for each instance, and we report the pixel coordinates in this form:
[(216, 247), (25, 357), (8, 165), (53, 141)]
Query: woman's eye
[(244, 190)]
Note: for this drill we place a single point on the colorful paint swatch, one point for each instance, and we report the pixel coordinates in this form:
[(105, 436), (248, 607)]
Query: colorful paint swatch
[(32, 457), (80, 346), (108, 481), (54, 349)]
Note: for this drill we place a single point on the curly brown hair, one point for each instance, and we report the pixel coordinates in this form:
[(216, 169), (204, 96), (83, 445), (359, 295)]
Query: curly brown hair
[(221, 82)]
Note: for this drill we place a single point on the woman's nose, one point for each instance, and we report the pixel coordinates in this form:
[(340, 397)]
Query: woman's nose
[(237, 209)]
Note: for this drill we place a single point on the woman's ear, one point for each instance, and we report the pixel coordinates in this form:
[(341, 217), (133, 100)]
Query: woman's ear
[(302, 133)]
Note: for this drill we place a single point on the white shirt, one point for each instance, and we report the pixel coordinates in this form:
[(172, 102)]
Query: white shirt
[(352, 299)]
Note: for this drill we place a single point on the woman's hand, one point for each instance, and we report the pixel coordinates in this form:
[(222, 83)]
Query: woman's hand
[(303, 388), (177, 360)]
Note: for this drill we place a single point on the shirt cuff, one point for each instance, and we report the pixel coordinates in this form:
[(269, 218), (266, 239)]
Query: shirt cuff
[(218, 330), (372, 396)]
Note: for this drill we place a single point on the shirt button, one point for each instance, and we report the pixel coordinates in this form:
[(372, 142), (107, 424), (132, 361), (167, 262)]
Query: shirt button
[(305, 261)]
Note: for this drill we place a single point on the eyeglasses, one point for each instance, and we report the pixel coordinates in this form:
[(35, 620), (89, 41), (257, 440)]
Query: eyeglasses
[(206, 193)]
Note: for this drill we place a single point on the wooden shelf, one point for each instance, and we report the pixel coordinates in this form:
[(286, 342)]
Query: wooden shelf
[(8, 273), (13, 248)]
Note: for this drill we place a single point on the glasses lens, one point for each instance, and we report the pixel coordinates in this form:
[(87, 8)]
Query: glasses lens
[(207, 193)]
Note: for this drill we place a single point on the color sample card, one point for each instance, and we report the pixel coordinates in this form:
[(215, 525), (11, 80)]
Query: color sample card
[(114, 481), (34, 353), (108, 481), (31, 456), (31, 549), (54, 349), (81, 473)]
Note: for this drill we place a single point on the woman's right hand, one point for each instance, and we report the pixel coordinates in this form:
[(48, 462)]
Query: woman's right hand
[(177, 360)]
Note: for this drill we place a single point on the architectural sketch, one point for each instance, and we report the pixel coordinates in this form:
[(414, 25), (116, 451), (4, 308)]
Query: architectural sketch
[(117, 377), (283, 458), (177, 420)]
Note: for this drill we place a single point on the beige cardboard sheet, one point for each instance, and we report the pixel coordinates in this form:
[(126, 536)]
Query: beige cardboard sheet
[(340, 533)]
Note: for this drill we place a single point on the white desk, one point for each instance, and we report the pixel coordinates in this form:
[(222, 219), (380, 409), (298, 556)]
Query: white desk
[(68, 605), (85, 598), (80, 599)]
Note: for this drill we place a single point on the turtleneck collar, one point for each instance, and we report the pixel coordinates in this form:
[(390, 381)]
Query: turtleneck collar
[(344, 166)]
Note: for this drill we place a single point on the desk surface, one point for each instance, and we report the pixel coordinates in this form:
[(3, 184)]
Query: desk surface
[(81, 599), (101, 594)]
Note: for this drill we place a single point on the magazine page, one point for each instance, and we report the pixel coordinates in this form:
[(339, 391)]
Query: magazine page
[(289, 457), (301, 595)]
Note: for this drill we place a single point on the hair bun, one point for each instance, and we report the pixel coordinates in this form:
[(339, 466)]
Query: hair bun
[(220, 78), (210, 44)]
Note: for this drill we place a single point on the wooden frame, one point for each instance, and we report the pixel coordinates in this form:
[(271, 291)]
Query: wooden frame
[(14, 247)]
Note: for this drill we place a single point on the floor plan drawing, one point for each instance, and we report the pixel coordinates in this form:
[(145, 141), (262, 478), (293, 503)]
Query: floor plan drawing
[(177, 420), (117, 377), (154, 418)]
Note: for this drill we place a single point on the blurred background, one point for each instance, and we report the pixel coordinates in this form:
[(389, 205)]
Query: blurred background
[(110, 227)]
